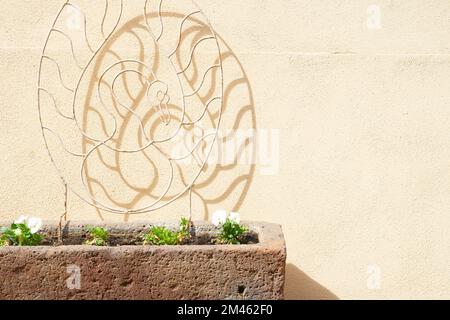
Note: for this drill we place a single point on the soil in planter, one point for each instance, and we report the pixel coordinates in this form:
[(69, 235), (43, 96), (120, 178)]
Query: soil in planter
[(135, 239)]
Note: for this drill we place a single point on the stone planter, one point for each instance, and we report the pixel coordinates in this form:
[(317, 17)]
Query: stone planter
[(199, 271)]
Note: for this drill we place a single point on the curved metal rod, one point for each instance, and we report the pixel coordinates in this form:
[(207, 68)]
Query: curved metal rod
[(204, 111), (40, 86), (165, 114), (159, 17), (181, 31), (104, 18), (55, 104), (85, 25), (193, 51), (191, 152), (193, 93), (83, 73), (59, 73), (165, 99), (62, 143), (162, 95), (111, 67), (71, 46), (100, 81), (39, 92), (134, 114), (108, 208), (150, 209)]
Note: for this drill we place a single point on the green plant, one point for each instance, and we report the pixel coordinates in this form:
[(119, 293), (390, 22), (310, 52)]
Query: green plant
[(98, 236), (185, 230), (19, 234), (231, 232), (160, 236)]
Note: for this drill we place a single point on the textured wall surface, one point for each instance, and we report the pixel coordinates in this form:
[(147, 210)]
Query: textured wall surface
[(359, 93)]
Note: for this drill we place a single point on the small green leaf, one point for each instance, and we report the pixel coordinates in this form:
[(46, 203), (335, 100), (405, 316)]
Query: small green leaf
[(97, 236), (161, 236), (231, 232)]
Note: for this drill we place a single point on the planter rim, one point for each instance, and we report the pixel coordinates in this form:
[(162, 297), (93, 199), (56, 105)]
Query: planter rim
[(270, 235)]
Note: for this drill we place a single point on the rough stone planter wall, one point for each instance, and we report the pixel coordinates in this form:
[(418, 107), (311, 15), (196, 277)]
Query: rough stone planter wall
[(253, 271)]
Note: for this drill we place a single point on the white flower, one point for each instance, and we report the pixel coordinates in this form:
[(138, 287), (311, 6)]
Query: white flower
[(21, 220), (18, 232), (234, 216), (34, 224), (219, 217)]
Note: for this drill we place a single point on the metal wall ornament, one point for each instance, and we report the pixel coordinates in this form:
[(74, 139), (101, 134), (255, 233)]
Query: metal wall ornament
[(103, 105)]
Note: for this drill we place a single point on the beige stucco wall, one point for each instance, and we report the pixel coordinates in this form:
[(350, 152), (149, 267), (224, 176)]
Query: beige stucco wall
[(363, 187)]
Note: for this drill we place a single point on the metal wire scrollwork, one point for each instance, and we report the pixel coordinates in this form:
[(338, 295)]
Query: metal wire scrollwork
[(85, 118)]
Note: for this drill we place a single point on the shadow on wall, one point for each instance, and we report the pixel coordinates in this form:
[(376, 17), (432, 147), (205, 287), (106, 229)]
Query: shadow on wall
[(112, 129), (301, 287), (221, 184)]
